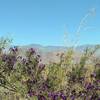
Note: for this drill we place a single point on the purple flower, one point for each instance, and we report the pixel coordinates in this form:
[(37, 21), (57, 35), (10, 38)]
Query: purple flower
[(30, 93), (41, 66), (32, 51), (89, 86), (50, 94), (45, 86), (98, 81), (55, 97), (14, 49), (72, 97), (30, 82), (10, 60), (41, 97), (63, 97)]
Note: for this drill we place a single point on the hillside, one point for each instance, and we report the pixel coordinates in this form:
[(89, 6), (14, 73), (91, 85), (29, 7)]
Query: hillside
[(49, 53)]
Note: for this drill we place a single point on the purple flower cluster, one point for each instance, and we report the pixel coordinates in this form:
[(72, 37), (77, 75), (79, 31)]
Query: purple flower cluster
[(89, 86), (9, 60), (57, 96), (14, 49), (41, 97), (32, 51)]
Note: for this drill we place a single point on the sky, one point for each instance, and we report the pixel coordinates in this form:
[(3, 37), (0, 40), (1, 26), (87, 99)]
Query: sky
[(50, 22)]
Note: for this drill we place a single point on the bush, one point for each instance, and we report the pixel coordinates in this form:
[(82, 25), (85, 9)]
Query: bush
[(28, 78)]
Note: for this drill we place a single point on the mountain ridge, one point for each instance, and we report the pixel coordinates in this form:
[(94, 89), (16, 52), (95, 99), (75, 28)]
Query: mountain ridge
[(48, 53)]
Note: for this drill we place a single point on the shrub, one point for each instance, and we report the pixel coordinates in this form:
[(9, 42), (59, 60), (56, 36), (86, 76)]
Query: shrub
[(28, 78)]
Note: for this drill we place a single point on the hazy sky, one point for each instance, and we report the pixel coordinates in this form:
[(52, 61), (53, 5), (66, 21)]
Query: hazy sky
[(45, 21)]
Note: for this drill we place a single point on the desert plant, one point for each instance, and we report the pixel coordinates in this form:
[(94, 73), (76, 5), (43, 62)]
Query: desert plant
[(28, 78)]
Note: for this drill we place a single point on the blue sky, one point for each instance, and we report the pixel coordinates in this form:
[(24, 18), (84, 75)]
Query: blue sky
[(45, 21)]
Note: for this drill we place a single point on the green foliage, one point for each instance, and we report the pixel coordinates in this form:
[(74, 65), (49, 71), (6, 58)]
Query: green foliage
[(28, 78)]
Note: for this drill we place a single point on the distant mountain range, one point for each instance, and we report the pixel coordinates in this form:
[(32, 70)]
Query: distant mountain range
[(48, 53), (55, 48)]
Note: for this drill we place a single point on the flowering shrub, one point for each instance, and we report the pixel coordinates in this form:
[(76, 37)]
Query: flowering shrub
[(28, 78)]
